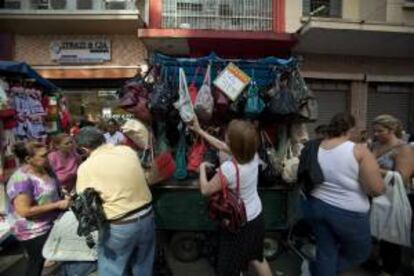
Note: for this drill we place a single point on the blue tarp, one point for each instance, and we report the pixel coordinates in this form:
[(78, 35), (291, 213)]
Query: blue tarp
[(22, 68), (261, 70)]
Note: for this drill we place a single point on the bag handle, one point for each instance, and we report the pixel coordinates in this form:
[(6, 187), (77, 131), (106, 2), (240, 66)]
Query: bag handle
[(223, 180), (267, 138)]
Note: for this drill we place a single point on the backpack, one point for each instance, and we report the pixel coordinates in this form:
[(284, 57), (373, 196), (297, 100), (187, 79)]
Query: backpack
[(226, 206)]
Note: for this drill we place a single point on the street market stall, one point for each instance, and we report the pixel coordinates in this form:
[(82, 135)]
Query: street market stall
[(270, 92), (31, 108)]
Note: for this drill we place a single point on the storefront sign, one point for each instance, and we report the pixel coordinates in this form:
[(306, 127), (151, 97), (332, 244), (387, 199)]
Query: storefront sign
[(232, 81), (81, 51), (107, 93)]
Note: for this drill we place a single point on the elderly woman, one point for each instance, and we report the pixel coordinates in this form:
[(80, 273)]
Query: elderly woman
[(34, 202), (238, 250), (338, 208), (393, 154)]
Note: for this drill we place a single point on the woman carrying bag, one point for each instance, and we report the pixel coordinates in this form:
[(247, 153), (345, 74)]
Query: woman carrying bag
[(237, 249)]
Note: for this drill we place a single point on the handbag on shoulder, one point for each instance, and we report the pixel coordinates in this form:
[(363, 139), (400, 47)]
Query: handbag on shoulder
[(226, 207)]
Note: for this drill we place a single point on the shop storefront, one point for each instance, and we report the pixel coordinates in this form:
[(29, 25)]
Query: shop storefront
[(88, 68)]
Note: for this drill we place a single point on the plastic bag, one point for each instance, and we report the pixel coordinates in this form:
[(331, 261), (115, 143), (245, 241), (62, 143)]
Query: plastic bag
[(391, 213), (184, 105), (64, 244), (196, 155), (290, 166), (204, 102)]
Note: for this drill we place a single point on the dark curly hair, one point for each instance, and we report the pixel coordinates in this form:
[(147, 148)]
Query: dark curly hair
[(340, 124)]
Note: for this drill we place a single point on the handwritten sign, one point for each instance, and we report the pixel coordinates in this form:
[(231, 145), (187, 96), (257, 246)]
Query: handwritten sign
[(232, 81)]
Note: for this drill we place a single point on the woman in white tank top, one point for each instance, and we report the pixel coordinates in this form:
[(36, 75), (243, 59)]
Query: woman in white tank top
[(338, 208)]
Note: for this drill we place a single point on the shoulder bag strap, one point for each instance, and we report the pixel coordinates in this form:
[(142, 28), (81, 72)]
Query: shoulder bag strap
[(237, 177)]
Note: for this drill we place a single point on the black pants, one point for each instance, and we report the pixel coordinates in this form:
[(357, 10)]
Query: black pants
[(33, 249)]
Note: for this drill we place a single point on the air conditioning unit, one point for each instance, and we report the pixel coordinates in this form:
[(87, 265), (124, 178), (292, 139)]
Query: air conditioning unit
[(12, 4), (115, 4), (84, 4)]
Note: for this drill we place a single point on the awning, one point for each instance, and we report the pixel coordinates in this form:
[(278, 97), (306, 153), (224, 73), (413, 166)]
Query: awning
[(341, 37), (22, 68), (229, 44)]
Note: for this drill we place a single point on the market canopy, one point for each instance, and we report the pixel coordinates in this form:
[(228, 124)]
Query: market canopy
[(23, 69)]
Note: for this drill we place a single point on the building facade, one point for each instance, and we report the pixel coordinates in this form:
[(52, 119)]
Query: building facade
[(87, 47), (358, 56)]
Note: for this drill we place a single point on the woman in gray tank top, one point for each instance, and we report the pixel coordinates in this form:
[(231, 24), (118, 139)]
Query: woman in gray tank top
[(392, 154)]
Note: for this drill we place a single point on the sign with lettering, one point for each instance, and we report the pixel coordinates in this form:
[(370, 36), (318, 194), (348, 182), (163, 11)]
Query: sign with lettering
[(232, 81), (81, 51)]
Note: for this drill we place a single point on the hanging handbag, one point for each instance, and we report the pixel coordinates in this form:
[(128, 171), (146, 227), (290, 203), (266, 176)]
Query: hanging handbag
[(184, 104), (282, 103), (135, 100), (254, 104), (181, 158), (162, 96), (272, 156), (268, 176), (204, 102), (226, 206), (290, 166)]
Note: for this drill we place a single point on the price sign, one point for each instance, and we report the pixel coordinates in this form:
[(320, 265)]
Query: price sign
[(232, 81)]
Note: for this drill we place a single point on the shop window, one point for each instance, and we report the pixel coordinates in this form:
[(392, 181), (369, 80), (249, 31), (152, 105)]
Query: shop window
[(115, 4), (193, 7), (332, 8), (10, 4), (84, 4)]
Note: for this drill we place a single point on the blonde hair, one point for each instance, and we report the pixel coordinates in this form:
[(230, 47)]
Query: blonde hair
[(389, 122)]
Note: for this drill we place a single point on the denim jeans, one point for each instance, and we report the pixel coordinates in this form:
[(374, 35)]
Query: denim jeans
[(343, 238), (127, 248)]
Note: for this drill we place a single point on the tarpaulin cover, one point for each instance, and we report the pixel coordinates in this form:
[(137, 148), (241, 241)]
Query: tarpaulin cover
[(262, 69), (22, 68)]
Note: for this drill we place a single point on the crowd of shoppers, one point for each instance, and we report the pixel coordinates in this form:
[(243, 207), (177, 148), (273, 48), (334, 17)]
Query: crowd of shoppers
[(337, 208)]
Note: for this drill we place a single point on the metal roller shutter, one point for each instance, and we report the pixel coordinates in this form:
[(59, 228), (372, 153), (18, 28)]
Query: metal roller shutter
[(332, 98), (389, 99)]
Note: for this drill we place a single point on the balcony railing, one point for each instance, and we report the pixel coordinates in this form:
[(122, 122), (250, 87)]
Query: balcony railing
[(236, 15), (332, 8), (37, 6)]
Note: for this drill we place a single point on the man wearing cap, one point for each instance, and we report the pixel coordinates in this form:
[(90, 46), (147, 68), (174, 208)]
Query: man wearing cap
[(127, 244)]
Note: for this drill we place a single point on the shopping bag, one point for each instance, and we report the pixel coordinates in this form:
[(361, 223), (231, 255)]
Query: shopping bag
[(64, 244), (196, 155), (204, 102), (391, 213), (290, 166), (184, 104)]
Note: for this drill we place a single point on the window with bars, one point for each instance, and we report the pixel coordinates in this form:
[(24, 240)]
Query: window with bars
[(240, 15), (333, 8)]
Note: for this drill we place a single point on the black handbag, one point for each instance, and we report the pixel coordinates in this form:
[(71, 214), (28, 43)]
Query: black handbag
[(282, 102), (162, 97)]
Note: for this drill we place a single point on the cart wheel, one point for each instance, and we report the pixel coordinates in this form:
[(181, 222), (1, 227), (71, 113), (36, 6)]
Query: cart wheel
[(185, 247), (271, 247)]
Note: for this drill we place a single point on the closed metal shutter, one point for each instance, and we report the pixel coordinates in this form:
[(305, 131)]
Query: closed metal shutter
[(332, 98), (389, 99)]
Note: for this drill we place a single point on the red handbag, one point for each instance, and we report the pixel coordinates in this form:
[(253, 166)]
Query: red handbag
[(226, 206), (196, 155)]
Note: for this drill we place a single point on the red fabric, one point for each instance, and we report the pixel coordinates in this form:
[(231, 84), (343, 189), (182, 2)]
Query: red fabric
[(7, 113), (165, 164), (196, 155), (192, 90)]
